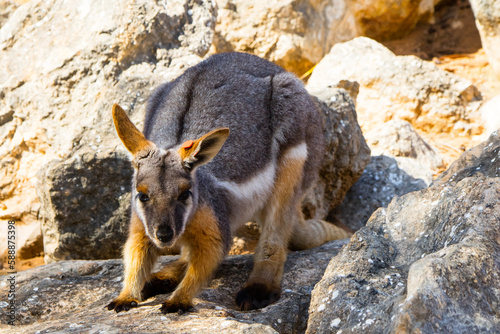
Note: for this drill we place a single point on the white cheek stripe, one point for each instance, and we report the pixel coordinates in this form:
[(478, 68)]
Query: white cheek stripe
[(140, 214)]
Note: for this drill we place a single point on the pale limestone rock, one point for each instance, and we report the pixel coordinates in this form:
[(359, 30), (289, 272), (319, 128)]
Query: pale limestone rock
[(490, 114), (297, 34), (404, 87), (7, 7), (398, 138), (383, 179), (487, 14)]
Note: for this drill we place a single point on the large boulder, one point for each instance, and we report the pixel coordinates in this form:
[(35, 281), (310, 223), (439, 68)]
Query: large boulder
[(84, 213), (346, 154), (70, 296), (487, 14), (56, 93), (297, 34), (403, 87), (428, 263)]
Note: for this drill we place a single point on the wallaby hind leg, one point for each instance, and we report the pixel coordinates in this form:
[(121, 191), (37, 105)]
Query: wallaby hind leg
[(277, 219)]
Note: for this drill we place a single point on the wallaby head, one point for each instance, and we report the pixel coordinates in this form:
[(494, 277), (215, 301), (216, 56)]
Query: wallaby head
[(164, 193)]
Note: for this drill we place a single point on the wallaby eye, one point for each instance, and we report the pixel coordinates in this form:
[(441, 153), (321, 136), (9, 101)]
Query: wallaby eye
[(184, 196), (143, 197)]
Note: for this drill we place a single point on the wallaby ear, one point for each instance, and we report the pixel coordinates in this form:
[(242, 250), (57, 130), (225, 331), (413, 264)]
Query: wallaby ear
[(131, 137), (202, 150)]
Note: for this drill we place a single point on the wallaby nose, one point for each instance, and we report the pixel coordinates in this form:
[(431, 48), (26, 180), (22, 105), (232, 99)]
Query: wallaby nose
[(164, 234)]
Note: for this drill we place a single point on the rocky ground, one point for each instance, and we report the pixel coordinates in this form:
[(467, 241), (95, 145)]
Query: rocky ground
[(428, 263), (420, 90), (70, 296)]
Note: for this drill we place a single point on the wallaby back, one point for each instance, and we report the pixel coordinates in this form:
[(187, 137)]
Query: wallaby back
[(265, 107)]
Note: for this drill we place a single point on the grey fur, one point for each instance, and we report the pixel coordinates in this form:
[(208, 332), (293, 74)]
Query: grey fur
[(266, 108)]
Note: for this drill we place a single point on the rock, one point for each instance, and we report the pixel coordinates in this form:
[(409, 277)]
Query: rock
[(490, 115), (297, 34), (415, 169), (487, 14), (29, 242), (428, 263), (7, 7), (389, 19), (70, 296), (398, 138), (245, 239), (403, 87), (484, 158), (85, 215), (347, 153), (56, 95), (382, 180)]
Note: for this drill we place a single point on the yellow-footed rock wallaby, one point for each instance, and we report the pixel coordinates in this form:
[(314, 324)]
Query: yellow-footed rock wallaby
[(235, 138)]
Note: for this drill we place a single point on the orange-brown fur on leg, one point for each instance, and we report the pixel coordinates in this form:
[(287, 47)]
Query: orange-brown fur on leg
[(139, 258), (203, 246), (264, 284)]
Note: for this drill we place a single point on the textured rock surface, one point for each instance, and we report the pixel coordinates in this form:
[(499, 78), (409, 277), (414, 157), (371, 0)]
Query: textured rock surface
[(405, 87), (7, 7), (484, 158), (398, 138), (382, 180), (297, 34), (347, 153), (386, 19), (85, 214), (491, 115), (487, 14), (428, 263), (70, 296)]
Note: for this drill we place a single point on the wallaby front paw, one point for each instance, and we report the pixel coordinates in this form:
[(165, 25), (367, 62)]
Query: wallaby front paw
[(122, 304), (180, 307), (256, 296)]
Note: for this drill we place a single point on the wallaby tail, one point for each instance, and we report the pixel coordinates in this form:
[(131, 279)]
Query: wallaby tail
[(315, 232)]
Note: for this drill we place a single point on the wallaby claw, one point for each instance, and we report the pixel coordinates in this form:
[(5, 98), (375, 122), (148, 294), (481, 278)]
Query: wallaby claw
[(122, 305), (173, 307)]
